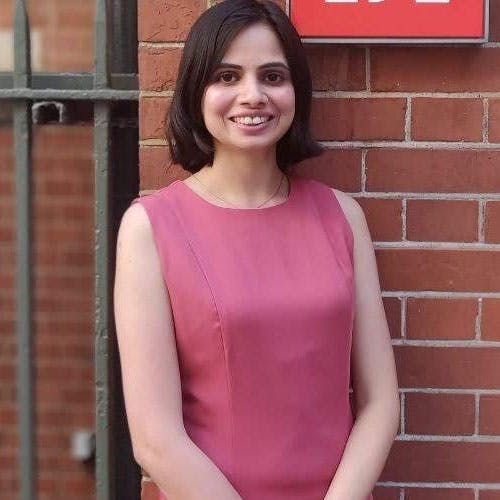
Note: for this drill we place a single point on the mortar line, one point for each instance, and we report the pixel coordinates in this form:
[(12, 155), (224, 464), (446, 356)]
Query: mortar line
[(476, 414), (161, 45), (437, 245), (451, 485), (424, 438), (364, 153), (480, 221), (477, 344), (479, 318), (428, 196), (404, 311), (404, 219), (408, 117), (325, 94), (486, 120), (434, 390), (395, 144), (391, 144), (439, 294)]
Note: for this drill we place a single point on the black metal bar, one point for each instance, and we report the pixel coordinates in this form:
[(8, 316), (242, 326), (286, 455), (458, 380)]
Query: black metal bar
[(71, 81), (124, 36), (22, 145), (102, 118), (90, 95)]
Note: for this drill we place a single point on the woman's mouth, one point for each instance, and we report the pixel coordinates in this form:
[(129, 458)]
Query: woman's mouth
[(251, 120)]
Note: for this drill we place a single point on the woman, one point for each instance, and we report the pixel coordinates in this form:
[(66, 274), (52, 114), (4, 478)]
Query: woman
[(244, 293)]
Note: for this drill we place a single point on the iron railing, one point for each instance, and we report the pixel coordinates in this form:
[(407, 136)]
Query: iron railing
[(109, 95)]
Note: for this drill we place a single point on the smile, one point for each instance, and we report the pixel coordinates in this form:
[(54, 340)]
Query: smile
[(251, 120)]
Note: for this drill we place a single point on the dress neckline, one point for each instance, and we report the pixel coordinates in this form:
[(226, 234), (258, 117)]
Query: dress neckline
[(201, 200)]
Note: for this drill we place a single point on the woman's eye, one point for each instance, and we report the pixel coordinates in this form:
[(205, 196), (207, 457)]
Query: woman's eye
[(274, 77), (226, 77)]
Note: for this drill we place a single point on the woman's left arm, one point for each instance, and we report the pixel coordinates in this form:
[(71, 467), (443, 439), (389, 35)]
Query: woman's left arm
[(374, 377)]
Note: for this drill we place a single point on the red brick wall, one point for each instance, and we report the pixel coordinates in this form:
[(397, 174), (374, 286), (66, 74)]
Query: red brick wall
[(63, 310), (414, 134), (63, 271)]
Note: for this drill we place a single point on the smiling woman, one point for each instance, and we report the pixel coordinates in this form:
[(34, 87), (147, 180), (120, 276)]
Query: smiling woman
[(244, 292), (207, 60), (249, 105)]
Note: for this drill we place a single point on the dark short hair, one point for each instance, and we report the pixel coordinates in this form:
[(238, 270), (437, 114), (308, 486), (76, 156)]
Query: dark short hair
[(191, 145)]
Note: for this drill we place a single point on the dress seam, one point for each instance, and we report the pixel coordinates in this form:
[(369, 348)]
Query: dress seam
[(228, 383)]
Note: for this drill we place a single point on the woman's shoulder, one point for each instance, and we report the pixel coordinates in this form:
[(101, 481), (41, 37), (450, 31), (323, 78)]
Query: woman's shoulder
[(135, 226), (161, 193), (349, 205), (353, 213), (351, 208)]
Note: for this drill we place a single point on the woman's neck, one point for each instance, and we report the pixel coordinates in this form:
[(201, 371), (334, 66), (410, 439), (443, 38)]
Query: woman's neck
[(244, 179)]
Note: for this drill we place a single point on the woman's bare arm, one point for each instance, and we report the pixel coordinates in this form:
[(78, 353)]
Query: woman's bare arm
[(150, 371), (374, 374)]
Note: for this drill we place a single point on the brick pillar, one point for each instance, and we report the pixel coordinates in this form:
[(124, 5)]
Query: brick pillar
[(413, 134)]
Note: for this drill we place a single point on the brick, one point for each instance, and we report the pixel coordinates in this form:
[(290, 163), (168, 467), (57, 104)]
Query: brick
[(156, 168), (447, 171), (358, 119), (158, 67), (494, 120), (439, 414), (436, 220), (435, 69), (489, 410), (7, 14), (383, 217), (490, 323), (489, 494), (70, 14), (448, 367), (51, 143), (40, 15), (447, 119), (492, 223), (339, 168), (461, 462), (438, 494), (167, 20), (439, 269), (441, 319), (384, 493), (336, 68), (152, 117), (78, 59), (392, 307)]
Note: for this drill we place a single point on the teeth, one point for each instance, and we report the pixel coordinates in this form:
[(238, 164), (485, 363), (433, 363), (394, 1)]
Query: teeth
[(249, 120)]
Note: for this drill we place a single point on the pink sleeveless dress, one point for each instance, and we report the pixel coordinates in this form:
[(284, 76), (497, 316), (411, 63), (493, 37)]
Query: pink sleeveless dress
[(262, 301)]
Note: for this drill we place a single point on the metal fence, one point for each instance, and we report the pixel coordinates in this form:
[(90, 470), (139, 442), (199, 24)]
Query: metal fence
[(108, 96)]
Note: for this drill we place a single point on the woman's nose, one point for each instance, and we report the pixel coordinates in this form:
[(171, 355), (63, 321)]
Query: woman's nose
[(252, 92)]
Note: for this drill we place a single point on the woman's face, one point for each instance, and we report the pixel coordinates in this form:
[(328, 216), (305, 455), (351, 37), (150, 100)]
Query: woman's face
[(249, 103)]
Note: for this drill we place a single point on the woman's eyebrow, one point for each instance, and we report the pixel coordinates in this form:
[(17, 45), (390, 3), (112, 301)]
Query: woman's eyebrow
[(277, 64)]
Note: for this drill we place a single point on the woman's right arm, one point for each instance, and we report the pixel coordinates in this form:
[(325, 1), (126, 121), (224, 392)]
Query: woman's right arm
[(150, 371)]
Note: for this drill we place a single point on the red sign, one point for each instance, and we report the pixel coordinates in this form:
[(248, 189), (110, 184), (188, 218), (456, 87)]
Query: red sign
[(390, 19)]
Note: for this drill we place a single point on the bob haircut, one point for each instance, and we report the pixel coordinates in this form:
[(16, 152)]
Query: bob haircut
[(191, 145)]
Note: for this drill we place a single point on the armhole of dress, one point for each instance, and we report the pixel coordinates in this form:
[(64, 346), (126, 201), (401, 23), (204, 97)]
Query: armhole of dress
[(347, 224), (155, 234)]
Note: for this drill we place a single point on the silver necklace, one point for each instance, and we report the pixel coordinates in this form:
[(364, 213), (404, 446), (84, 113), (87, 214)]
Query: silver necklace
[(236, 206)]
